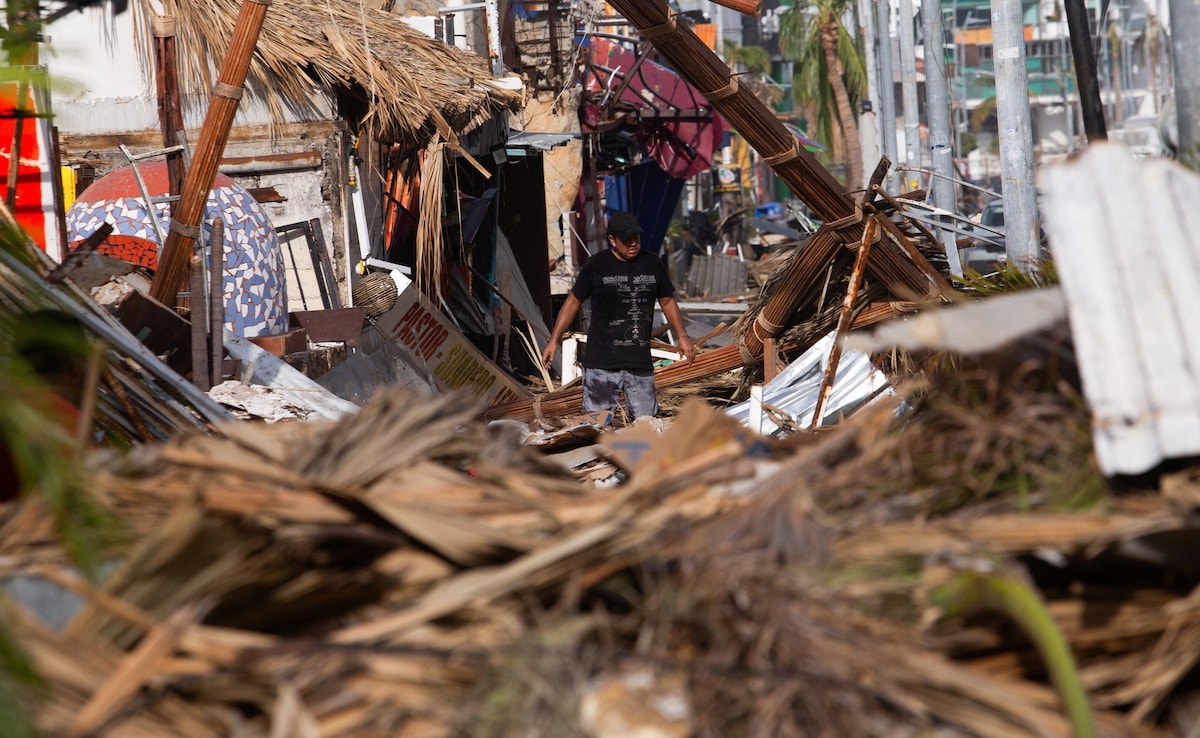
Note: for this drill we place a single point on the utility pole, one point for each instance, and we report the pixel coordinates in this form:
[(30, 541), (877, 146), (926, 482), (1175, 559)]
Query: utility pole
[(937, 111), (1016, 134), (908, 87), (868, 121), (1185, 46), (1087, 80), (887, 88)]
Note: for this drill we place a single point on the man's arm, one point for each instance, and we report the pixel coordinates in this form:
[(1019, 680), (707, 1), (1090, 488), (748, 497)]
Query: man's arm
[(566, 315), (674, 318)]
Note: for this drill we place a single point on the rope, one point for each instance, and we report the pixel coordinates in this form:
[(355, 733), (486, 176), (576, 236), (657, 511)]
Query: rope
[(661, 29), (772, 329), (163, 26), (187, 231), (788, 155), (230, 92), (729, 90), (747, 358)]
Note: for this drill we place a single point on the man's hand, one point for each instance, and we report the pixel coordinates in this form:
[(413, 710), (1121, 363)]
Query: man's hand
[(687, 348), (549, 352)]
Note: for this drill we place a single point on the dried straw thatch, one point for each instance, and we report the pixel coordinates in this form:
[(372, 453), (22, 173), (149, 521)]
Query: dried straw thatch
[(411, 82), (410, 572)]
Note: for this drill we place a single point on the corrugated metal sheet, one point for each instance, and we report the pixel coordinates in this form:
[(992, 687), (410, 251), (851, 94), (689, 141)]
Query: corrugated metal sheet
[(1125, 244), (795, 390), (716, 276)]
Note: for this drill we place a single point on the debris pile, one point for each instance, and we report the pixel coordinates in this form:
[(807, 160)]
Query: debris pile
[(412, 571)]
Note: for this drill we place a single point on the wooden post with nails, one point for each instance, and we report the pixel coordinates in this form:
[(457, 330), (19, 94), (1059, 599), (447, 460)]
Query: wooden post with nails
[(843, 326)]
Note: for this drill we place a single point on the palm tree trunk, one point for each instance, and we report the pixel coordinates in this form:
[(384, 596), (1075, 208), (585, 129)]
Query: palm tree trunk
[(854, 165)]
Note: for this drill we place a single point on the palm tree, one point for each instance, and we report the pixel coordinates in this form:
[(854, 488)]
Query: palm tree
[(830, 76), (755, 61)]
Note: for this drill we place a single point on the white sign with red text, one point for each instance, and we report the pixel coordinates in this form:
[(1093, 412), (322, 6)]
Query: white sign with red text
[(453, 361)]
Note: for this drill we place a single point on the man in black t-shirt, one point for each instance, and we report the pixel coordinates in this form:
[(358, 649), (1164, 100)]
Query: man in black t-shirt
[(623, 283)]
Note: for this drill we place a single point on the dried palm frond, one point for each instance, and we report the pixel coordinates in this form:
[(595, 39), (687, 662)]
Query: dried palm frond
[(410, 79), (429, 229)]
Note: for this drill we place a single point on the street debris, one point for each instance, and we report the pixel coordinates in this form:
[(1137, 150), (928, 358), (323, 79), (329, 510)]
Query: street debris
[(881, 501), (413, 568)]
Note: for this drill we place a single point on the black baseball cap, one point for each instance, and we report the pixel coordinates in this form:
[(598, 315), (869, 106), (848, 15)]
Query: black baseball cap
[(622, 224)]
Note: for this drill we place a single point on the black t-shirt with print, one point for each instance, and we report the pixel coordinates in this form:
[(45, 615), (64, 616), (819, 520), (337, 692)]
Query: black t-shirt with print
[(623, 294)]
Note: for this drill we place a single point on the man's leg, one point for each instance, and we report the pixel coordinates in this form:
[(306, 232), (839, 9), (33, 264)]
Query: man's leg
[(640, 393), (601, 390)]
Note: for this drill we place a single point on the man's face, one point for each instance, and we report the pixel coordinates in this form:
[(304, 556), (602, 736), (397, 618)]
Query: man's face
[(626, 249)]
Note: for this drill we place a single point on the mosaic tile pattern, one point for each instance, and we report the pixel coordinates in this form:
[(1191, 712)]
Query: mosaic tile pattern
[(254, 284)]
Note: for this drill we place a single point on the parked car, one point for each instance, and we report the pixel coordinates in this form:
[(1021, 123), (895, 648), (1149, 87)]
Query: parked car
[(987, 246)]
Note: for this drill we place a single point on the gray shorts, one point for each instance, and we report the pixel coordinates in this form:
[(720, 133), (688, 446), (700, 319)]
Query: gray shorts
[(602, 390)]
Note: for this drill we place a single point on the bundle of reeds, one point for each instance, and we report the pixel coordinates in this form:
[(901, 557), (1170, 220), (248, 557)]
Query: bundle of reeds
[(568, 401)]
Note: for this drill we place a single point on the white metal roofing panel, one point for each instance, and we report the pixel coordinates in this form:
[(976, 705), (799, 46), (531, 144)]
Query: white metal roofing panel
[(1123, 237)]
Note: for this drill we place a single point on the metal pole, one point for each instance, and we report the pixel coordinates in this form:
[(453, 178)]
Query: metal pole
[(492, 18), (1185, 45), (216, 301), (868, 121), (937, 111), (956, 101), (1016, 134), (908, 87), (887, 87)]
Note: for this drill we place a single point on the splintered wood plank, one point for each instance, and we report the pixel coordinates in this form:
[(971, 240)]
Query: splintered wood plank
[(1123, 237), (482, 584), (134, 671)]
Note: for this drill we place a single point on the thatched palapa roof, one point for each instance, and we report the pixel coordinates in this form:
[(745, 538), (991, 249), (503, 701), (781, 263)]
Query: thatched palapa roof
[(409, 78)]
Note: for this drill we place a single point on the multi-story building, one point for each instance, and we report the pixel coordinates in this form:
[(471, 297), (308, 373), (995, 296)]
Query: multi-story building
[(1132, 58)]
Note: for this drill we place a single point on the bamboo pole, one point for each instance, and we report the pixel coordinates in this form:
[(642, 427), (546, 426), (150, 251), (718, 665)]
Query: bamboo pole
[(758, 124), (14, 152), (185, 221)]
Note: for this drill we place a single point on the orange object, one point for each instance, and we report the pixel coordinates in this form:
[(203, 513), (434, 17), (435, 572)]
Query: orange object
[(706, 32)]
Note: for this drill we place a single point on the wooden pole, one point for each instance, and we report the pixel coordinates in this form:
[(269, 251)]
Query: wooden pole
[(843, 326), (56, 184), (201, 376), (14, 153), (748, 7), (185, 220), (170, 111), (216, 300)]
